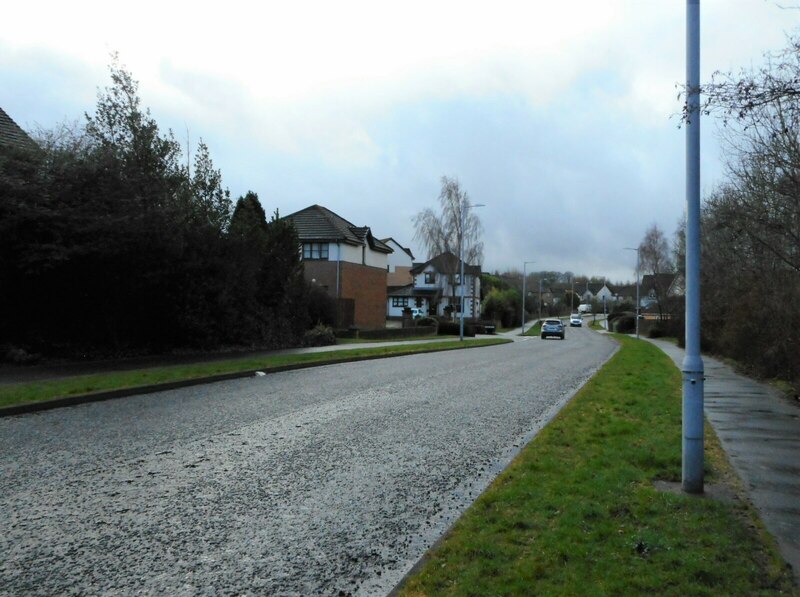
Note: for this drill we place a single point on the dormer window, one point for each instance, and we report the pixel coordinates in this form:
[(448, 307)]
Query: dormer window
[(430, 277)]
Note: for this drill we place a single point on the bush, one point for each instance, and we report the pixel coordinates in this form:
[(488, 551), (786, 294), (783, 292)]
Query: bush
[(625, 324), (321, 306), (320, 335), (426, 322)]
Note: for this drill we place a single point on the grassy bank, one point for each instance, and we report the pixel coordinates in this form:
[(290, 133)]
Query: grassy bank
[(577, 512), (85, 384)]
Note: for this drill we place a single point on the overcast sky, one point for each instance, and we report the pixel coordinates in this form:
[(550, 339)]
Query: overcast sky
[(559, 116)]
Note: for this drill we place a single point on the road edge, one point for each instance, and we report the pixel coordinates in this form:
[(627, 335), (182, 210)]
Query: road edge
[(78, 399)]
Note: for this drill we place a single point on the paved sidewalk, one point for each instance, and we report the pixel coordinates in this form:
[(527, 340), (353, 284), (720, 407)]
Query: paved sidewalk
[(759, 428)]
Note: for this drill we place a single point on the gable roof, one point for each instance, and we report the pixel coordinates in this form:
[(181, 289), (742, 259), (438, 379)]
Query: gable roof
[(11, 133), (405, 249), (319, 224), (661, 281), (446, 262)]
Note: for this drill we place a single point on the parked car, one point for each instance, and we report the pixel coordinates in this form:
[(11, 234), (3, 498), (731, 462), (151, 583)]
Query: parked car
[(552, 327), (417, 313), (575, 320)]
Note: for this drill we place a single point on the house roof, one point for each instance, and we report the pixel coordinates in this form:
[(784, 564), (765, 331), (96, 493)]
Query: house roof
[(405, 249), (445, 263), (650, 281), (319, 224), (627, 290), (12, 134), (409, 290)]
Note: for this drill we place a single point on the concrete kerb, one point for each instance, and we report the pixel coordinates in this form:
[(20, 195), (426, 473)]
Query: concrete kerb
[(64, 401)]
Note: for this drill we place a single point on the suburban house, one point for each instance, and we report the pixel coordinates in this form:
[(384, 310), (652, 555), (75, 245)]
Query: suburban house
[(626, 294), (347, 261), (436, 289), (598, 292), (401, 260), (658, 287)]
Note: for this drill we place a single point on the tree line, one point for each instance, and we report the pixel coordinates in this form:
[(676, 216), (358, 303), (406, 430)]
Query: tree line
[(112, 243), (750, 224)]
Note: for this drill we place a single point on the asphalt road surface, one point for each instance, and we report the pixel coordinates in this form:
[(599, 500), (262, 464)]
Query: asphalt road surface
[(333, 480)]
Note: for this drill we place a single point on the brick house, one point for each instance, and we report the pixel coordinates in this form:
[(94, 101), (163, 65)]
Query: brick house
[(347, 261)]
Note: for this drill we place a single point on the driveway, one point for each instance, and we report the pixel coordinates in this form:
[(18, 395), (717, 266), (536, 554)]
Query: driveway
[(318, 481)]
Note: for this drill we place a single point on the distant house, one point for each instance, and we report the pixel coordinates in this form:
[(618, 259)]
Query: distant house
[(436, 288), (347, 261), (655, 289), (597, 292), (626, 294)]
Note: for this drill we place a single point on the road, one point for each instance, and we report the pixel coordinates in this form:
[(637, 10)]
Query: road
[(318, 481)]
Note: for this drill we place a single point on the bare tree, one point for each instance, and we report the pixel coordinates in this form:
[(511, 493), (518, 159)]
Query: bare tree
[(454, 225), (655, 260), (751, 224), (736, 96)]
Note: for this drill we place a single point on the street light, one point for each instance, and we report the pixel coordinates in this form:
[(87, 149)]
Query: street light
[(637, 287), (461, 259), (524, 274), (540, 299)]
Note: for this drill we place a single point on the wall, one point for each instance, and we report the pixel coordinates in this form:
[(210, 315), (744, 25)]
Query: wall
[(401, 276), (367, 286)]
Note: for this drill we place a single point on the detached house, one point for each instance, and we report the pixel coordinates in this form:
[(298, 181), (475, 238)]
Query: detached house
[(602, 293), (436, 288), (347, 261)]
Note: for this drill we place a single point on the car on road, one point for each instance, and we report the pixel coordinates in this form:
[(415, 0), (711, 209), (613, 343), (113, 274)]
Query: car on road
[(552, 327), (575, 320)]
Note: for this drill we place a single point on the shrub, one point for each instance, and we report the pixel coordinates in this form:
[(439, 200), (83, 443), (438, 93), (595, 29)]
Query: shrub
[(319, 335), (321, 306), (625, 324), (426, 321)]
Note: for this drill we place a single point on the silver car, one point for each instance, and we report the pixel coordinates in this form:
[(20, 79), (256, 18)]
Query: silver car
[(552, 327), (575, 320)]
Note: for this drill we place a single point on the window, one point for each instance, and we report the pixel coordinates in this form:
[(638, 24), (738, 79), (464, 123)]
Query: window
[(430, 277), (315, 250), (399, 301), (457, 279)]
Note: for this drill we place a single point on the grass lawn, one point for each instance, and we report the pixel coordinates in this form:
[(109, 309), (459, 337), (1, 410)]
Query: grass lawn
[(577, 513), (85, 384)]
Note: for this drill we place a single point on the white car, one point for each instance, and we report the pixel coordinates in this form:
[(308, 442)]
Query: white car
[(575, 320)]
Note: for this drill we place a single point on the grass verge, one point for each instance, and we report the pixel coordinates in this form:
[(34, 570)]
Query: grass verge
[(535, 330), (577, 513), (86, 384), (379, 340)]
